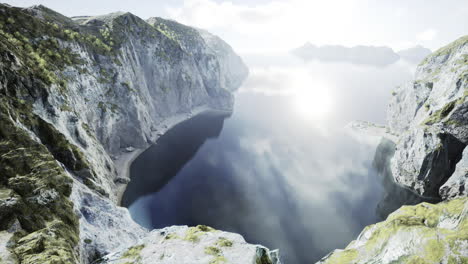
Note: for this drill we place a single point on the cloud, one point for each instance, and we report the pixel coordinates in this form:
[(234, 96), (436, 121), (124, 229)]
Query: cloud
[(427, 35), (280, 25), (275, 25)]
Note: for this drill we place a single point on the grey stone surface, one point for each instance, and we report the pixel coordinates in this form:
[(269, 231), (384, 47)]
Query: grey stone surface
[(427, 119)]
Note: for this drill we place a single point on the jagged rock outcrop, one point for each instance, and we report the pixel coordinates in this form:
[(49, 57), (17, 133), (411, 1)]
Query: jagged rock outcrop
[(200, 244), (424, 151), (78, 98), (427, 121), (424, 233), (430, 117)]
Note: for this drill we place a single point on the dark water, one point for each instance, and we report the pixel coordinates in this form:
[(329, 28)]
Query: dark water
[(279, 179)]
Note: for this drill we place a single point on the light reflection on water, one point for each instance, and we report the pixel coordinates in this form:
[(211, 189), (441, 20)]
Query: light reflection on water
[(299, 184)]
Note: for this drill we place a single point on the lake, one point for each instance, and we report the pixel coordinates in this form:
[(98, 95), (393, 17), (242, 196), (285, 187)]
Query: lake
[(281, 170)]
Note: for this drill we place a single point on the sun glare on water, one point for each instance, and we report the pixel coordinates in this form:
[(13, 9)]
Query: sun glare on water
[(313, 102)]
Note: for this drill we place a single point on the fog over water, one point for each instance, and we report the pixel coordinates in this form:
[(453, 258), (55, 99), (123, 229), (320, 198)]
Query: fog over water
[(282, 171)]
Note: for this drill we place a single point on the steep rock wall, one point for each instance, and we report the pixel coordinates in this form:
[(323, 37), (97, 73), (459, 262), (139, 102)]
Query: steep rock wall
[(423, 150), (430, 117), (76, 95)]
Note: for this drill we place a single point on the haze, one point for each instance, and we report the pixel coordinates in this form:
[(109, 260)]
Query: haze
[(280, 25)]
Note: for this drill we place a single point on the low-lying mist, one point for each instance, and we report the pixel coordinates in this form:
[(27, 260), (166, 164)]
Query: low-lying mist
[(288, 179)]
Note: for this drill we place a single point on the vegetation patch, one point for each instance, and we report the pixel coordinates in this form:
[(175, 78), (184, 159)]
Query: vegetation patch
[(128, 87), (29, 171), (447, 50), (193, 233), (171, 236), (218, 260), (224, 242), (440, 114), (212, 250), (133, 254), (433, 244)]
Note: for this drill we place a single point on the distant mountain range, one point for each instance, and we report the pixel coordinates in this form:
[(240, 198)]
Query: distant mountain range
[(367, 55), (415, 54)]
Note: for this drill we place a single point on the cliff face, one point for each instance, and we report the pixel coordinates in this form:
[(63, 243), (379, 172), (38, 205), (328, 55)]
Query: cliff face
[(423, 151), (430, 117), (77, 94)]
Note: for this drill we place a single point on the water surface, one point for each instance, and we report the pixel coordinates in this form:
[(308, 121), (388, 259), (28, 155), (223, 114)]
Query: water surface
[(281, 177)]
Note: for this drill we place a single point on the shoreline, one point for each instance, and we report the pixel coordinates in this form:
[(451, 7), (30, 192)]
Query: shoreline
[(126, 158)]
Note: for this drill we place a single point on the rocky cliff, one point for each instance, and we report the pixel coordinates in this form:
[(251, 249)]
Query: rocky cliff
[(424, 152), (78, 98), (430, 117)]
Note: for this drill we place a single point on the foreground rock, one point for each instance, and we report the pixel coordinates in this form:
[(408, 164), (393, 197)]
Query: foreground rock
[(193, 245), (424, 233)]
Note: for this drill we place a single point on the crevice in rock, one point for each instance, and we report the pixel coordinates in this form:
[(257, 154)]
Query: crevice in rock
[(438, 166)]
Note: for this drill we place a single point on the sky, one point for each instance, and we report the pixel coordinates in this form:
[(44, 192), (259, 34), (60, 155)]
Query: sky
[(259, 26)]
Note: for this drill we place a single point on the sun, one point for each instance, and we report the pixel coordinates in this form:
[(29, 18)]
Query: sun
[(313, 103)]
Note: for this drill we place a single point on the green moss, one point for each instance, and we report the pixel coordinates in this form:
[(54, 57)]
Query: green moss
[(176, 32), (114, 108), (50, 226), (41, 42), (432, 243), (447, 50), (463, 61), (218, 260), (105, 76), (224, 242), (164, 29), (434, 250), (212, 250), (440, 114), (102, 106), (133, 255), (43, 55), (88, 130), (343, 257), (193, 233), (129, 88), (133, 252), (416, 260), (421, 214), (65, 108), (117, 62), (171, 236)]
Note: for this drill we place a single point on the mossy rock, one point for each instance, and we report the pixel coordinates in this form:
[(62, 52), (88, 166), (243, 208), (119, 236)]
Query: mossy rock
[(424, 233), (447, 50), (31, 175), (193, 233)]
